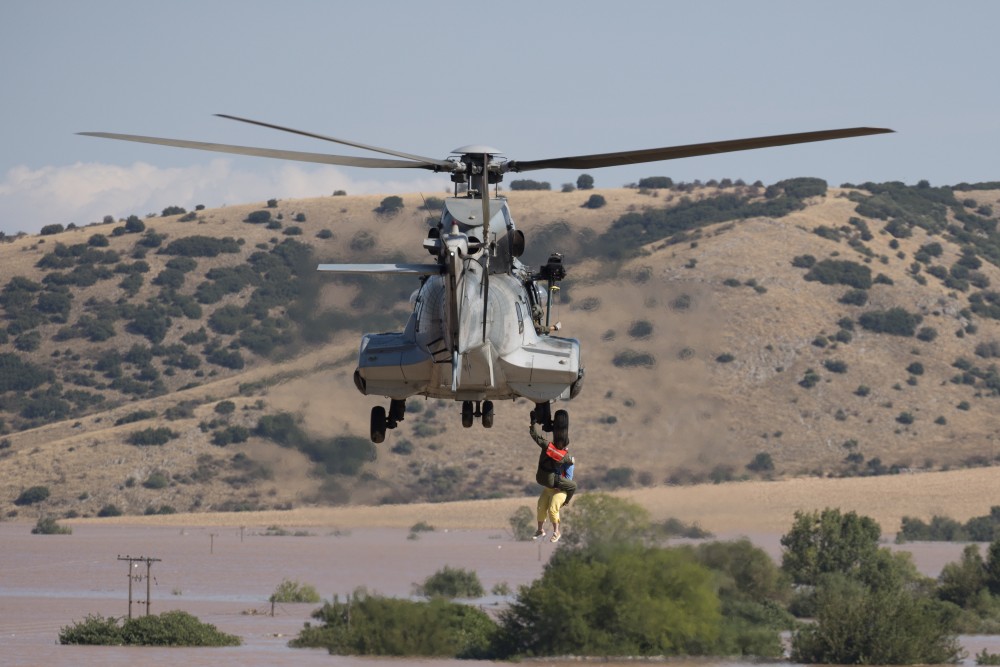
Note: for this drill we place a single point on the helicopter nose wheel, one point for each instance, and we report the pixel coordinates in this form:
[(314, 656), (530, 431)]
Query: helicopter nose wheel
[(382, 420), (487, 414), (467, 414)]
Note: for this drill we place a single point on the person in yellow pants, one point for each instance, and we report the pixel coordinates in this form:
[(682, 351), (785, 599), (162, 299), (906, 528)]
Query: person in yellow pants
[(550, 502)]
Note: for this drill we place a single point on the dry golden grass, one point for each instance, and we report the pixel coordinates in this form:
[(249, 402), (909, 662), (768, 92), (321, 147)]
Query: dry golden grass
[(737, 507)]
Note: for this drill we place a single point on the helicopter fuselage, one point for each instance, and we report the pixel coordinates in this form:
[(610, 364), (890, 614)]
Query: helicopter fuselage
[(475, 332), (513, 361)]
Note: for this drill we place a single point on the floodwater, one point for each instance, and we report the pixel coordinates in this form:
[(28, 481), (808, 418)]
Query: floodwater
[(224, 576)]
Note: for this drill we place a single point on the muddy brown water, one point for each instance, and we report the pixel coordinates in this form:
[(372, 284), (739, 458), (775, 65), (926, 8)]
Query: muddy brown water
[(225, 575)]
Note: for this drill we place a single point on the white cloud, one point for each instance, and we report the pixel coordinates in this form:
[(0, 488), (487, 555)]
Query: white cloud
[(86, 192)]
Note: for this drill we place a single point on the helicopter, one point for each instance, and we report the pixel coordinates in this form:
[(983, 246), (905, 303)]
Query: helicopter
[(479, 331)]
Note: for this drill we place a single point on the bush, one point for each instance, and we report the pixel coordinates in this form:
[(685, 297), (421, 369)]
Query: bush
[(32, 495), (803, 261), (858, 624), (585, 182), (202, 246), (109, 511), (48, 526), (895, 321), (590, 602), (157, 480), (522, 523), (230, 435), (226, 358), (761, 463), (528, 184), (927, 334), (49, 230), (152, 436), (643, 329), (828, 542), (171, 628), (258, 217), (656, 182), (375, 625), (854, 297), (601, 519), (19, 375), (835, 365), (842, 272), (595, 201), (133, 225), (293, 591), (151, 321), (631, 358), (390, 206), (450, 582)]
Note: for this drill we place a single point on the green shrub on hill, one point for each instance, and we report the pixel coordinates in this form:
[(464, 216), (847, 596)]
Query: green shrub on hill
[(390, 206), (656, 182), (32, 495), (152, 436), (528, 184), (896, 321), (16, 374), (841, 272), (201, 246)]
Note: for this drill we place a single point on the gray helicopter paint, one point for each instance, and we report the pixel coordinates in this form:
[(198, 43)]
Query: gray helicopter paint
[(443, 352)]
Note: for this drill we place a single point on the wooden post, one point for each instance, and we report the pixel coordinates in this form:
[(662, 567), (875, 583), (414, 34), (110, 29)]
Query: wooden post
[(133, 562)]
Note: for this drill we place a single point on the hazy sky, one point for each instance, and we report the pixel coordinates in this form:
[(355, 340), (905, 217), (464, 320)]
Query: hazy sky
[(534, 79)]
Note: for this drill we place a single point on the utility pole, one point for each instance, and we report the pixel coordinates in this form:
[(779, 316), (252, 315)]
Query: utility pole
[(133, 562)]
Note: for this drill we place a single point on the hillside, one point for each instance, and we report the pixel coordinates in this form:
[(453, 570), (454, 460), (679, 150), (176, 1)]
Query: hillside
[(706, 348)]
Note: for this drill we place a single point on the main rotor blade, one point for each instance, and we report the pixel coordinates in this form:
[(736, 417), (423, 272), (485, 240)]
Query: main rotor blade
[(298, 156), (418, 269), (444, 164), (691, 150)]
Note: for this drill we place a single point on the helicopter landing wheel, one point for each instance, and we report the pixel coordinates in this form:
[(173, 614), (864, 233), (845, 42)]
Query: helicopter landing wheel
[(397, 411), (487, 414), (379, 424), (467, 414), (542, 415), (560, 427)]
